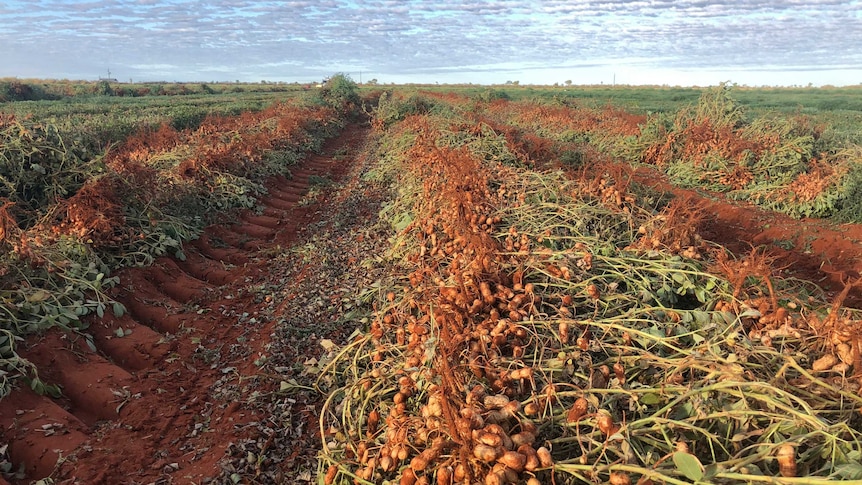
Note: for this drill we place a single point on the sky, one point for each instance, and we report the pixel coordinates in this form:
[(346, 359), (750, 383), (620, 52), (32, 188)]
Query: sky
[(636, 42)]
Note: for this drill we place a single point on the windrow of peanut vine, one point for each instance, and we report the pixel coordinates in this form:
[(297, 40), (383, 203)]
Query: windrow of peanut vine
[(544, 329), (790, 164), (69, 217)]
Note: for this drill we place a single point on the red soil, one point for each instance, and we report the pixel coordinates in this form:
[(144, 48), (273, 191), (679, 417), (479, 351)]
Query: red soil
[(139, 401)]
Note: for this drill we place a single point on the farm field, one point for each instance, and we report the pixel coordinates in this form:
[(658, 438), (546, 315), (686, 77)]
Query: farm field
[(431, 286)]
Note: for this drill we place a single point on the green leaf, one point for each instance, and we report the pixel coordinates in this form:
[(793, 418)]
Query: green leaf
[(655, 331), (53, 390), (689, 465), (700, 317), (750, 313), (849, 471), (40, 388), (402, 221), (684, 411), (681, 279), (119, 309), (100, 310), (711, 471), (38, 296), (650, 399)]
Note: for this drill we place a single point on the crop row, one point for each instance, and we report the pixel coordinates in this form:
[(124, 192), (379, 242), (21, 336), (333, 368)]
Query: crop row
[(796, 164), (69, 216), (544, 328)]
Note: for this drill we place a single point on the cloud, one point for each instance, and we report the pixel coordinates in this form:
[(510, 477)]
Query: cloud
[(394, 39)]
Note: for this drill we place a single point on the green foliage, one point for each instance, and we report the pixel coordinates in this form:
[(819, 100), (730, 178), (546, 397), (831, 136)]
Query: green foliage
[(104, 89), (846, 205), (59, 299), (18, 91), (714, 146), (573, 158), (187, 118), (770, 158), (278, 162), (689, 465), (161, 233), (38, 166), (33, 300), (108, 88), (392, 108), (490, 94), (339, 92), (780, 164), (486, 144), (388, 152), (717, 107)]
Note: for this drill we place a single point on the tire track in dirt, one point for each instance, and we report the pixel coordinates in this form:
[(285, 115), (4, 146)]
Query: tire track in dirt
[(140, 401)]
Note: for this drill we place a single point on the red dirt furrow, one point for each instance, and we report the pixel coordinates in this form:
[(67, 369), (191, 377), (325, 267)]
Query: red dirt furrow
[(35, 428), (73, 365), (225, 235), (148, 305), (263, 221), (218, 251), (292, 186), (279, 203), (253, 231), (270, 211), (156, 400), (304, 174), (288, 196), (178, 285), (202, 268), (127, 343)]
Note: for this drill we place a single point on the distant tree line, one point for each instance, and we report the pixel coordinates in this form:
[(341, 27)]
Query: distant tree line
[(21, 90), (18, 91)]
